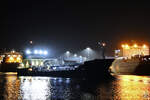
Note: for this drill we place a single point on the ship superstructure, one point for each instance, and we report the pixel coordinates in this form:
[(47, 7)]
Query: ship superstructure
[(130, 58)]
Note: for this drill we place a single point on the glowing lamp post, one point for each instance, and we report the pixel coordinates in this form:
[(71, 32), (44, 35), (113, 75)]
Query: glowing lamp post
[(144, 46), (135, 46), (102, 45), (88, 50), (75, 55), (67, 54)]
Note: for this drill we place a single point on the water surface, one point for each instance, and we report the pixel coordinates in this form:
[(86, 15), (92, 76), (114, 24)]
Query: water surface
[(125, 87)]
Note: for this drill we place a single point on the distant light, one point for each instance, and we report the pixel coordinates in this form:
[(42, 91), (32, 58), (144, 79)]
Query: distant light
[(88, 48), (67, 52), (31, 42), (135, 46), (103, 44), (127, 46), (14, 55), (11, 58), (122, 45), (75, 55), (13, 51), (28, 52), (45, 52), (19, 60), (35, 51), (144, 46)]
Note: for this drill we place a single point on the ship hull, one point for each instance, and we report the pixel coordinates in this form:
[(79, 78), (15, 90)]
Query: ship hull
[(12, 67), (130, 67)]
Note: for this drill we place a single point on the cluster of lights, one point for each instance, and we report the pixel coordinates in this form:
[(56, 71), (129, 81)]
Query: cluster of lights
[(40, 52), (88, 50), (126, 46), (14, 59)]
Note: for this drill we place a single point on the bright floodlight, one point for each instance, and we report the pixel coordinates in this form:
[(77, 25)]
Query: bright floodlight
[(28, 52), (88, 48), (45, 52), (67, 52), (35, 51), (75, 55)]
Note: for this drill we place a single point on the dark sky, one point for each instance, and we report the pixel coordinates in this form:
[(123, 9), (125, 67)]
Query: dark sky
[(72, 25)]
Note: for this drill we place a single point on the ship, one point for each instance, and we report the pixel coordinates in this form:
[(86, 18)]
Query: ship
[(10, 61), (90, 69), (137, 65), (131, 59)]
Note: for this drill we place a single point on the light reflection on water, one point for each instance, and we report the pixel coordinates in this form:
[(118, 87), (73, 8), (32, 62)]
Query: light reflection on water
[(133, 88), (125, 87)]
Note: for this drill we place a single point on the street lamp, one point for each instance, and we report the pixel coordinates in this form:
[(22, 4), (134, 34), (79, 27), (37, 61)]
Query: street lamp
[(67, 54), (88, 49), (102, 45), (75, 55), (45, 52)]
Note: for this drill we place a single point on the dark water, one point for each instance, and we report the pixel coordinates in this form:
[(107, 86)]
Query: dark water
[(47, 88)]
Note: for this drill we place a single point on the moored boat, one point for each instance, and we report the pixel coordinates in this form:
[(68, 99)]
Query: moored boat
[(138, 65), (11, 61)]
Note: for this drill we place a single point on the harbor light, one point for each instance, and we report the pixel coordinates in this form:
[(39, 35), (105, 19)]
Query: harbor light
[(144, 46), (35, 51), (103, 44), (130, 51), (45, 52), (135, 46), (127, 46), (11, 59), (88, 48), (67, 52), (28, 52), (13, 51), (41, 52), (75, 55), (122, 45)]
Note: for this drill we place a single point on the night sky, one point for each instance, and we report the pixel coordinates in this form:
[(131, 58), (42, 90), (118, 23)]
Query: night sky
[(72, 25)]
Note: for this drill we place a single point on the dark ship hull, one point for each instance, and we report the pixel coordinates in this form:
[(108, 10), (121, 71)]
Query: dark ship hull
[(9, 67), (91, 69)]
